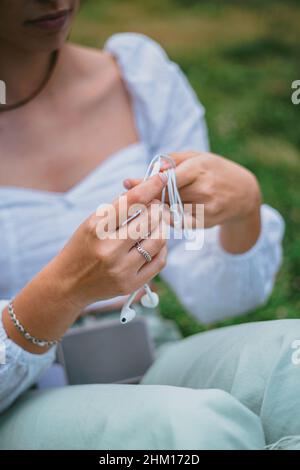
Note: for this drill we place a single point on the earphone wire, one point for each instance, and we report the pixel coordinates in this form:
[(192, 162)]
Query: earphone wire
[(176, 208)]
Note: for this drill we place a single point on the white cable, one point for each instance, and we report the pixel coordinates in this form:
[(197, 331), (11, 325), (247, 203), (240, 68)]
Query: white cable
[(150, 299)]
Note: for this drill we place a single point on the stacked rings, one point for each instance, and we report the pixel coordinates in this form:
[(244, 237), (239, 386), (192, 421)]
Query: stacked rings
[(143, 252)]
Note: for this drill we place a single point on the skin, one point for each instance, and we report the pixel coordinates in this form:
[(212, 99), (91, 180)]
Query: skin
[(85, 110), (229, 192)]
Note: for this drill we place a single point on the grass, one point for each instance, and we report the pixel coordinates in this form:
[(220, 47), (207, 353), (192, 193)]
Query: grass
[(241, 58)]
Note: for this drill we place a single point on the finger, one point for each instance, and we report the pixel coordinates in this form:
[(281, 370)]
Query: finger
[(185, 176), (143, 225), (185, 173), (180, 157), (195, 192), (147, 190), (111, 216), (166, 165), (142, 194), (130, 183), (149, 270), (153, 245)]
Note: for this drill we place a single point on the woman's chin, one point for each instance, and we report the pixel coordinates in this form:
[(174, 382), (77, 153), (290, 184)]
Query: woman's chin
[(45, 42)]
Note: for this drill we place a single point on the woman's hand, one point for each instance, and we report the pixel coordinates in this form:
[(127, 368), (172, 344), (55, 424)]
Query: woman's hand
[(97, 264), (229, 192), (94, 265)]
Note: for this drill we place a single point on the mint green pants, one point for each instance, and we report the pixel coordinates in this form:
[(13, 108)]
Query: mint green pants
[(232, 388)]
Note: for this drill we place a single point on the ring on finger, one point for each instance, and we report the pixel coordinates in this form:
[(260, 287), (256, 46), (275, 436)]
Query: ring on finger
[(143, 252)]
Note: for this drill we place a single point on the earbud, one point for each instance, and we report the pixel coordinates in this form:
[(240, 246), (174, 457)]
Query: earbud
[(150, 299), (128, 313)]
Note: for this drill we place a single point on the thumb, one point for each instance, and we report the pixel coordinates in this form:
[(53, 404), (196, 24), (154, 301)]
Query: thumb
[(130, 183)]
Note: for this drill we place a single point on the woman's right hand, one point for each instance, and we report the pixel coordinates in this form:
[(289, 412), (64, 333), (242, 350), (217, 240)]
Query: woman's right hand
[(89, 269), (97, 265)]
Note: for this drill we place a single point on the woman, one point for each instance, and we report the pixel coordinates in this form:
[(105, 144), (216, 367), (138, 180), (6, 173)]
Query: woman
[(77, 123)]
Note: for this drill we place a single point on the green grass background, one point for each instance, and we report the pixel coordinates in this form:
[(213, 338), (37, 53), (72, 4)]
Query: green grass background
[(241, 58)]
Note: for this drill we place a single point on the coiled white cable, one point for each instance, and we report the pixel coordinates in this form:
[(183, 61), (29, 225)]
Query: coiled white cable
[(150, 299)]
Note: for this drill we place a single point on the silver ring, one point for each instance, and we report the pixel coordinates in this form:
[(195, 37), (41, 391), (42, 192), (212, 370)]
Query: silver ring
[(143, 252)]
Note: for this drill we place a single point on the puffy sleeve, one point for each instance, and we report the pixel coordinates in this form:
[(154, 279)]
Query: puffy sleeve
[(210, 282), (19, 369)]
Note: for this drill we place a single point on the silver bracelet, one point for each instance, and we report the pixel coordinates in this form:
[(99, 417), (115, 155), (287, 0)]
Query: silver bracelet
[(38, 342)]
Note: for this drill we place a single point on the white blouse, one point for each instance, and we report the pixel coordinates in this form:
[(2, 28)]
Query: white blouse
[(34, 224)]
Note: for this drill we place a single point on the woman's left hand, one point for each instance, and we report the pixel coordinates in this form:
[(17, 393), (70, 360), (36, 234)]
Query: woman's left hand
[(228, 191), (230, 194)]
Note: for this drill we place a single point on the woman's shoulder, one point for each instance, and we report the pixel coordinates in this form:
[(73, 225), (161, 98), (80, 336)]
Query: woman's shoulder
[(140, 60), (161, 91), (132, 51), (158, 87), (138, 54), (134, 46)]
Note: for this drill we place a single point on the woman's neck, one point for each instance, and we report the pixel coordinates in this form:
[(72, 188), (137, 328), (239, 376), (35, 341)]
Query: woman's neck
[(22, 71)]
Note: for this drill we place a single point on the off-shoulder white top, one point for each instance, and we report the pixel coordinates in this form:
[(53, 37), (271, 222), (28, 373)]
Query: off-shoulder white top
[(34, 225)]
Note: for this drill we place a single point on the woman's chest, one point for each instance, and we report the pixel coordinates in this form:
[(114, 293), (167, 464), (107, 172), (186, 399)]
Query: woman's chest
[(55, 149)]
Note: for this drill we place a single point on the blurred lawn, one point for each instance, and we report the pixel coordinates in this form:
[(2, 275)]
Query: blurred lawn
[(241, 57)]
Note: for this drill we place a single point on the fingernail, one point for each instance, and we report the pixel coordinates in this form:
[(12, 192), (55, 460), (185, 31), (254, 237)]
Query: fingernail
[(127, 184), (165, 166), (163, 177)]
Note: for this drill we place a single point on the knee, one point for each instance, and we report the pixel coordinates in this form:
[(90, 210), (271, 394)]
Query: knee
[(171, 406), (181, 418)]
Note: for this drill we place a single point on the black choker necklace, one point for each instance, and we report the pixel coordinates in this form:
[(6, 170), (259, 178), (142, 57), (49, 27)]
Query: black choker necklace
[(50, 69)]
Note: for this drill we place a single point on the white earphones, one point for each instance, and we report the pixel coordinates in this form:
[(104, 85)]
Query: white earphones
[(150, 299), (127, 312)]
